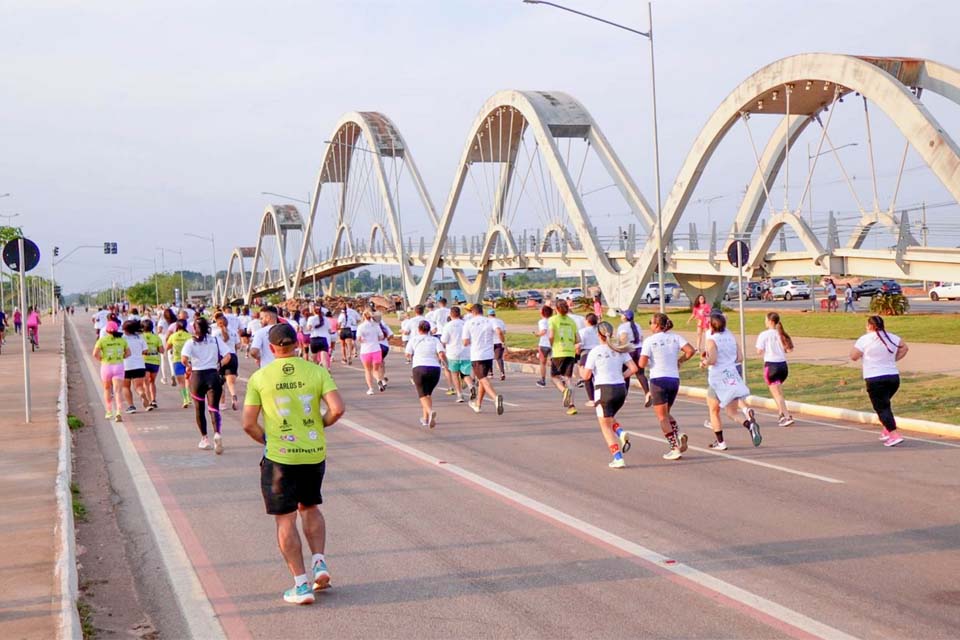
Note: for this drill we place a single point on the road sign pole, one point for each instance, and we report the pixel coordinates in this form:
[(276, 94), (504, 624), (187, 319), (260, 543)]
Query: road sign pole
[(23, 333), (743, 333)]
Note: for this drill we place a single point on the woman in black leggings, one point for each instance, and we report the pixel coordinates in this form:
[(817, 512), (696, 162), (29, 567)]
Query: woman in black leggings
[(203, 357), (880, 352)]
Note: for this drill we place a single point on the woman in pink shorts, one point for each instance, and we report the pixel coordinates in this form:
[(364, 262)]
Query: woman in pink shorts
[(110, 350), (369, 336)]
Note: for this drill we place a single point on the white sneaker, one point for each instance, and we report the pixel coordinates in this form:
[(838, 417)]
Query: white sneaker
[(785, 421), (475, 407), (217, 443), (204, 444), (617, 464), (369, 392), (433, 420), (707, 424), (718, 446), (673, 454)]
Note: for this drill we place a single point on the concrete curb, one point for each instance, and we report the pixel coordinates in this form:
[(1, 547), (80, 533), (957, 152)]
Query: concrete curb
[(66, 555)]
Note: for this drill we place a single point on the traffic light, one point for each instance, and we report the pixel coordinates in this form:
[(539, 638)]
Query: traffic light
[(57, 291), (56, 251), (109, 248)]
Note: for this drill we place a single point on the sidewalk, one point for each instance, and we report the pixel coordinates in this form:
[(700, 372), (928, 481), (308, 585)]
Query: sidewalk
[(29, 528)]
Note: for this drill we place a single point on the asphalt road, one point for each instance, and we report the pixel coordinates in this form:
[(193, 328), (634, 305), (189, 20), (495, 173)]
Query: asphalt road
[(513, 526)]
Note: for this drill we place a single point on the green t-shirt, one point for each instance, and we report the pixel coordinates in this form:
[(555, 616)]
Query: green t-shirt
[(288, 390), (176, 341), (111, 349), (564, 336), (153, 348)]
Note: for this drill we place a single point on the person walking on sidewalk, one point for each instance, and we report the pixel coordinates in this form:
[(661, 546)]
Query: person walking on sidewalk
[(610, 367), (664, 352), (564, 339), (880, 351), (774, 344), (288, 392), (848, 299), (203, 357), (727, 389), (110, 350)]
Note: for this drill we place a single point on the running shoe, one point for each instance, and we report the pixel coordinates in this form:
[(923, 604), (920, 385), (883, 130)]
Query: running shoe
[(108, 415), (204, 444), (299, 595), (460, 399), (572, 411), (707, 424), (499, 405), (233, 402), (173, 382), (683, 443), (154, 404), (673, 454), (186, 404), (473, 392), (150, 407), (617, 463), (130, 409), (369, 392), (624, 439), (117, 417), (716, 445), (424, 423), (432, 422), (381, 386), (579, 384), (451, 392), (503, 377), (217, 443), (474, 406), (321, 576), (754, 428), (591, 403), (884, 434), (567, 397), (541, 383), (648, 400), (894, 439), (785, 421)]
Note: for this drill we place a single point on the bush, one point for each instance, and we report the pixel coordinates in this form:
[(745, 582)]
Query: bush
[(506, 302), (582, 303), (889, 304)]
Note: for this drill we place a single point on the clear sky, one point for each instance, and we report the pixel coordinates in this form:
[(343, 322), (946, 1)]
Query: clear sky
[(138, 121)]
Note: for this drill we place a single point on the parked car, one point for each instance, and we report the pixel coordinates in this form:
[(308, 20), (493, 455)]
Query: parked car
[(570, 294), (651, 293), (751, 291), (492, 294), (945, 291), (673, 290), (528, 294), (870, 288), (790, 289)]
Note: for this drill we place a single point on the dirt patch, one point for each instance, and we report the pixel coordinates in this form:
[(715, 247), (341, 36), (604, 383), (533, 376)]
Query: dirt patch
[(109, 600)]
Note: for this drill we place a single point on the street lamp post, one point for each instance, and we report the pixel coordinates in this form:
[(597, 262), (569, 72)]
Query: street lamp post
[(179, 252), (656, 134), (213, 246)]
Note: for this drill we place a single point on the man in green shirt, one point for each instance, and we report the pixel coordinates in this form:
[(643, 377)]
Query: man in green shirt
[(288, 392), (562, 331)]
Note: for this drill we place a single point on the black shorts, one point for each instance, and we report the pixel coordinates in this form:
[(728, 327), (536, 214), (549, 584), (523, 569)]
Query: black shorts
[(384, 350), (347, 334), (425, 379), (498, 352), (775, 372), (134, 374), (286, 486), (481, 368), (664, 390), (151, 368), (562, 366), (545, 351), (609, 398), (231, 368), (318, 344)]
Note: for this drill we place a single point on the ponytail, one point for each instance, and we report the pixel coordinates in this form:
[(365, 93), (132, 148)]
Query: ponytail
[(636, 332), (877, 323), (785, 338)]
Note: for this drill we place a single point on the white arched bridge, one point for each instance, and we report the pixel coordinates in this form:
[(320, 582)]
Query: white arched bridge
[(539, 186)]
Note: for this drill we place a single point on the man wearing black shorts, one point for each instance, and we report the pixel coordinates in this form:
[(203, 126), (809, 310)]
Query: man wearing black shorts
[(288, 392)]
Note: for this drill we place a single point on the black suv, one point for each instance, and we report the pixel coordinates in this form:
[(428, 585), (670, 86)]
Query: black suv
[(870, 288)]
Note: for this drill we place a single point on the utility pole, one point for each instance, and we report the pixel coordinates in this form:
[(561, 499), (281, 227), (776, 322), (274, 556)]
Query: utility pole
[(923, 231)]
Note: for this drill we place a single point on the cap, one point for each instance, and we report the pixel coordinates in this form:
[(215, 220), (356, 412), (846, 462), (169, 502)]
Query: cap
[(112, 327), (282, 335), (492, 312), (627, 313)]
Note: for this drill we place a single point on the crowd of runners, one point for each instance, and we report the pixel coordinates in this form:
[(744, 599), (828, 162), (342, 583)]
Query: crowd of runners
[(291, 395)]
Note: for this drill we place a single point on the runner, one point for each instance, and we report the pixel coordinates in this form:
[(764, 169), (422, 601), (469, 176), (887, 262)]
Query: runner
[(499, 337), (458, 355), (368, 336), (111, 350), (134, 366), (319, 331), (588, 340), (151, 361), (253, 326), (348, 320), (630, 332), (880, 352), (174, 345), (260, 344), (439, 319), (384, 344), (478, 333), (33, 326), (562, 331), (610, 367), (664, 352), (334, 328), (243, 320), (99, 320), (288, 392), (726, 388), (773, 344), (203, 357), (701, 314), (427, 353), (543, 345), (300, 319), (167, 325), (229, 339)]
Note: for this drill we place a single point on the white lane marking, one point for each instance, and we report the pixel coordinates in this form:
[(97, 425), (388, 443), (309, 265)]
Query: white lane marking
[(730, 456), (662, 562), (872, 432), (187, 589)]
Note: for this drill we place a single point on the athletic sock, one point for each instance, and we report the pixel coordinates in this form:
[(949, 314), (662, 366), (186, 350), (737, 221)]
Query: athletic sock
[(746, 412), (672, 439), (719, 435), (618, 430), (615, 449), (300, 580), (317, 558)]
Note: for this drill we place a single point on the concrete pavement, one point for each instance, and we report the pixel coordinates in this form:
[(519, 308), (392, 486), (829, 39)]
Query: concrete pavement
[(514, 526)]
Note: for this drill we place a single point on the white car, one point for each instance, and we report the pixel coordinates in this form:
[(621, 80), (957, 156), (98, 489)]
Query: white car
[(570, 294), (945, 291), (651, 293), (790, 289)]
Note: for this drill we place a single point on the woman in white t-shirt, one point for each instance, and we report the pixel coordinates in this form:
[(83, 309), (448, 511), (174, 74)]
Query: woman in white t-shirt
[(231, 339), (427, 354), (610, 367), (722, 358), (202, 357), (773, 344), (368, 336), (134, 367), (664, 352), (880, 352), (543, 344), (588, 340)]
